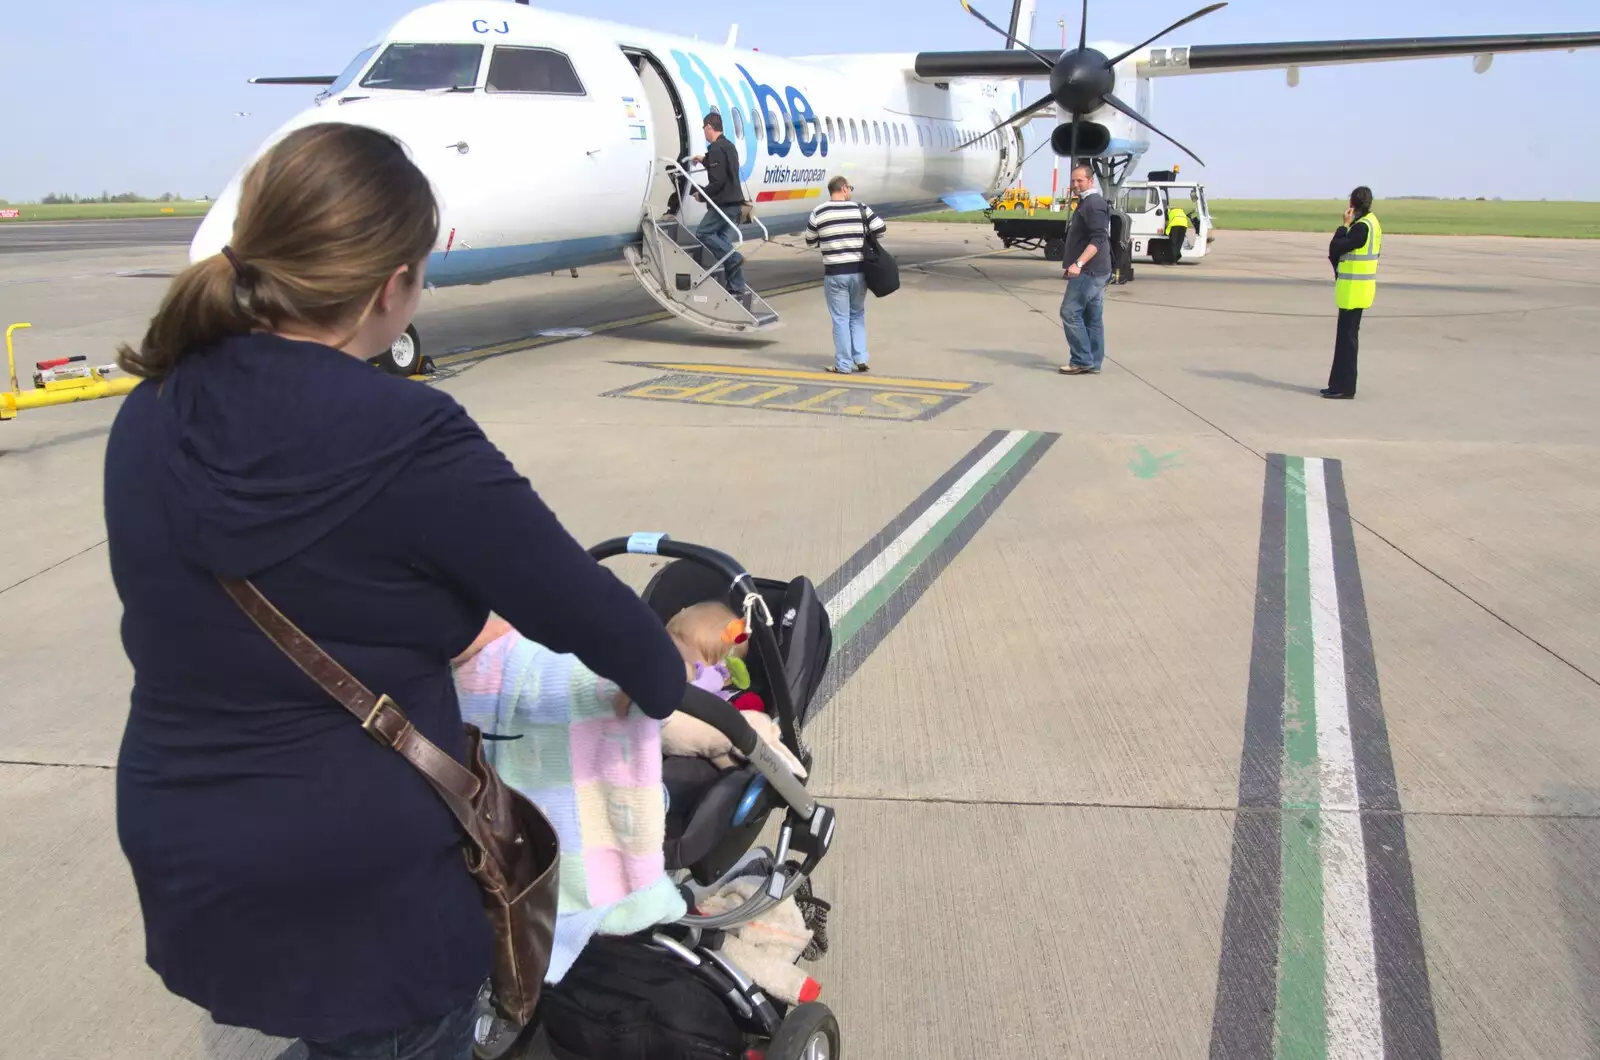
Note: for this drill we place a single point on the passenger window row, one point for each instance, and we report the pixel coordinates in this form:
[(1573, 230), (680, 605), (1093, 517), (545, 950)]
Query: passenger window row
[(849, 131), (891, 134)]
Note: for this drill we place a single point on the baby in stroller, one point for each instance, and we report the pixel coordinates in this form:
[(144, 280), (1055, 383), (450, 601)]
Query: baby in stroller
[(661, 880)]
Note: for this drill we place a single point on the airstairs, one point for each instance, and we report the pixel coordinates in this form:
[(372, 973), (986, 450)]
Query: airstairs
[(680, 271)]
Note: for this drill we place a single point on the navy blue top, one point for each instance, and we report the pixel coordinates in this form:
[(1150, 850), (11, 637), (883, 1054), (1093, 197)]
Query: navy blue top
[(295, 876)]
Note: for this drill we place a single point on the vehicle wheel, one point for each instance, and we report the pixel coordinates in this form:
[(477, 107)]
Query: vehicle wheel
[(404, 356), (809, 1032), (1055, 249)]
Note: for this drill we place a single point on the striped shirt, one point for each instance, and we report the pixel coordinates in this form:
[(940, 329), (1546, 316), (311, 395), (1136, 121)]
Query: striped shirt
[(836, 227)]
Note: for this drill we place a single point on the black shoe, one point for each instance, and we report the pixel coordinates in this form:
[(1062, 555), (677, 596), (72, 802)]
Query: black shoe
[(862, 368), (1337, 395)]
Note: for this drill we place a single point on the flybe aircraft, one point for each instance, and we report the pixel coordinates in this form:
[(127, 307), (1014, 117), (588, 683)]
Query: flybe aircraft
[(556, 141)]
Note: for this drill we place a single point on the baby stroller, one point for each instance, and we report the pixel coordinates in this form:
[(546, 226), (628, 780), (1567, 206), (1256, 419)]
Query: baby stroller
[(715, 816)]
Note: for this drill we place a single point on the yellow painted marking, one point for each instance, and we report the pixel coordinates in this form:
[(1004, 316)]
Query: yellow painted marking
[(949, 386), (731, 391), (813, 403), (667, 392), (764, 392)]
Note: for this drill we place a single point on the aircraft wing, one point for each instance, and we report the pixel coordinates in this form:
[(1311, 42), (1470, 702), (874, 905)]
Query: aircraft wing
[(1226, 58), (309, 79)]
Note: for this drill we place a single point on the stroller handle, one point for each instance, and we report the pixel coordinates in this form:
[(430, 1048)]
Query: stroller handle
[(662, 545), (729, 720)]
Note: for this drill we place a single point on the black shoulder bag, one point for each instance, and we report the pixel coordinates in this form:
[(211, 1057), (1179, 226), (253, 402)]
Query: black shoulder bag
[(882, 271)]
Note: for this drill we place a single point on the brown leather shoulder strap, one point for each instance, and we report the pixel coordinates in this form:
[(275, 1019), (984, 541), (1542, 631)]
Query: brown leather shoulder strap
[(379, 715)]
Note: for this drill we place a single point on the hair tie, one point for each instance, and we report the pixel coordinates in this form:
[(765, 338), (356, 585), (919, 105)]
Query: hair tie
[(233, 259)]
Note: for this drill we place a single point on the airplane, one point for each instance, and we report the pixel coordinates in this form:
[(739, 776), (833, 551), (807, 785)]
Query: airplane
[(556, 141)]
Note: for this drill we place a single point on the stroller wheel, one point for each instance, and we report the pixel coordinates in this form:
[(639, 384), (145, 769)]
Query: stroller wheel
[(494, 1038), (809, 1032)]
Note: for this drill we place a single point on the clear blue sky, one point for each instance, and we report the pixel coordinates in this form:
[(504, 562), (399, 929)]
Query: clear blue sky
[(142, 96)]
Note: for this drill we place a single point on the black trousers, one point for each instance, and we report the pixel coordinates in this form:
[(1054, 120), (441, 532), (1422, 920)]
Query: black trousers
[(1175, 240), (1342, 378)]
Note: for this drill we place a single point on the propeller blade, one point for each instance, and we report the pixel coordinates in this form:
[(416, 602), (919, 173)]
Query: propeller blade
[(1140, 118), (975, 13), (1026, 112), (1202, 13), (1074, 151), (1083, 27)]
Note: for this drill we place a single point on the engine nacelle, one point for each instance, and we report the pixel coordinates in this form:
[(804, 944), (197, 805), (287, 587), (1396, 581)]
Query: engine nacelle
[(1093, 139)]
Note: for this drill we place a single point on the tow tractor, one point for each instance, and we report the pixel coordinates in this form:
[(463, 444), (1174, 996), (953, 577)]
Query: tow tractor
[(1145, 204)]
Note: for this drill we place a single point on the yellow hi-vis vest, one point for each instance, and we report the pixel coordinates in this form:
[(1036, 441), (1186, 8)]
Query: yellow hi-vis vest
[(1176, 218), (1357, 279)]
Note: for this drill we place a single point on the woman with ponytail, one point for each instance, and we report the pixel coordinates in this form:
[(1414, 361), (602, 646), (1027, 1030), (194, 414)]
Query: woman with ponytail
[(295, 876)]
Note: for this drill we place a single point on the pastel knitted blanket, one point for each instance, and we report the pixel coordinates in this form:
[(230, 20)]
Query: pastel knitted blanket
[(597, 778)]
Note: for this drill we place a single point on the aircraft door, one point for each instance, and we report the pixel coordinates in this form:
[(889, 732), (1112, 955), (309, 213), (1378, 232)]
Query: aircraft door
[(1010, 152), (669, 129)]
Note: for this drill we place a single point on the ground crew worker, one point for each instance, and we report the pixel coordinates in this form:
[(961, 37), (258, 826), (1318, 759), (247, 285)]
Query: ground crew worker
[(1177, 229), (1354, 254)]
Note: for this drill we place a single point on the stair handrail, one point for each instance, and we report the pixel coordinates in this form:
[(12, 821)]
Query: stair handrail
[(672, 165)]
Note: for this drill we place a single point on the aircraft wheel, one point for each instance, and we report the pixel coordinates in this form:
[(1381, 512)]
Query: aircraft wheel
[(404, 356)]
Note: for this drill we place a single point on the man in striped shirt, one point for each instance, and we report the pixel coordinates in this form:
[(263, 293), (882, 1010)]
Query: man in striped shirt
[(839, 227)]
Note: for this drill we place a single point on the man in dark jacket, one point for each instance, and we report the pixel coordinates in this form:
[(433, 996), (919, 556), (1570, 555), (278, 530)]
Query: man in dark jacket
[(1088, 258), (723, 189)]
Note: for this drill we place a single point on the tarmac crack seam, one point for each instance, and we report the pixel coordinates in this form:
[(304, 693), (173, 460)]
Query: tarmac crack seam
[(830, 795), (1368, 527), (53, 566), (58, 765)]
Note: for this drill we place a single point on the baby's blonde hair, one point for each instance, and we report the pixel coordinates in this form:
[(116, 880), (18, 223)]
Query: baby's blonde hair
[(699, 631)]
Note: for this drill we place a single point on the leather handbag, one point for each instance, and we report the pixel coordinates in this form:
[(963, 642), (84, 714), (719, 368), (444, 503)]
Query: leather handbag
[(879, 266), (511, 850)]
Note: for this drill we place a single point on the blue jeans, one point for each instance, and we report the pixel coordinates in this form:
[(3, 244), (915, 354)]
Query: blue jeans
[(717, 235), (447, 1038), (847, 304), (1083, 320)]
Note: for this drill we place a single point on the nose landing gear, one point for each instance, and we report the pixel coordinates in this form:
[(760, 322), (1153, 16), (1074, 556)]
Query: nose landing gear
[(404, 355)]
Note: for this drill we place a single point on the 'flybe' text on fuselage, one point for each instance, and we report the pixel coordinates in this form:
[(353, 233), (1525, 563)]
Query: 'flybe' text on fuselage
[(790, 122)]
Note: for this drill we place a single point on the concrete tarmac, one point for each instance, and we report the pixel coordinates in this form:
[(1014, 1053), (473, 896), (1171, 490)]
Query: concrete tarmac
[(1174, 711)]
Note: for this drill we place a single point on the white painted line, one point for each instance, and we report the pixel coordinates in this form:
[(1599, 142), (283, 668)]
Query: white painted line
[(884, 562), (1354, 1013)]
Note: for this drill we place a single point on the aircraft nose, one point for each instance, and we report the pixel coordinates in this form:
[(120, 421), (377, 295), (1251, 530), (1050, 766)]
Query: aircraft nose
[(216, 229)]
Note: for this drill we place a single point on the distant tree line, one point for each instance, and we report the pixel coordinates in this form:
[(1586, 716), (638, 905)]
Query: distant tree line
[(54, 199)]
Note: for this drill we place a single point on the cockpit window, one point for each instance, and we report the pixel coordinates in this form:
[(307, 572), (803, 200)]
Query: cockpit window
[(419, 67), (350, 72), (533, 70)]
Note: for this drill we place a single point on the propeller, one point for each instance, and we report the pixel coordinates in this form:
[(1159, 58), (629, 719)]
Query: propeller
[(1083, 80)]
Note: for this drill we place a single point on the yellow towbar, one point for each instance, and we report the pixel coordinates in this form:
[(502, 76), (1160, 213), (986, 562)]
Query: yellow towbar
[(56, 391)]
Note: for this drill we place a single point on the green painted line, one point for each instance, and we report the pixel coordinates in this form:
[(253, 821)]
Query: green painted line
[(851, 622), (1302, 1028)]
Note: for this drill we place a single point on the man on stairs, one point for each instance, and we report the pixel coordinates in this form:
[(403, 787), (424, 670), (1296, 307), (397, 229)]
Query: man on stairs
[(722, 189)]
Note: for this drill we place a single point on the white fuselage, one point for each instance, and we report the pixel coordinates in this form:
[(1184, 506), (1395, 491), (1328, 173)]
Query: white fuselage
[(535, 180)]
